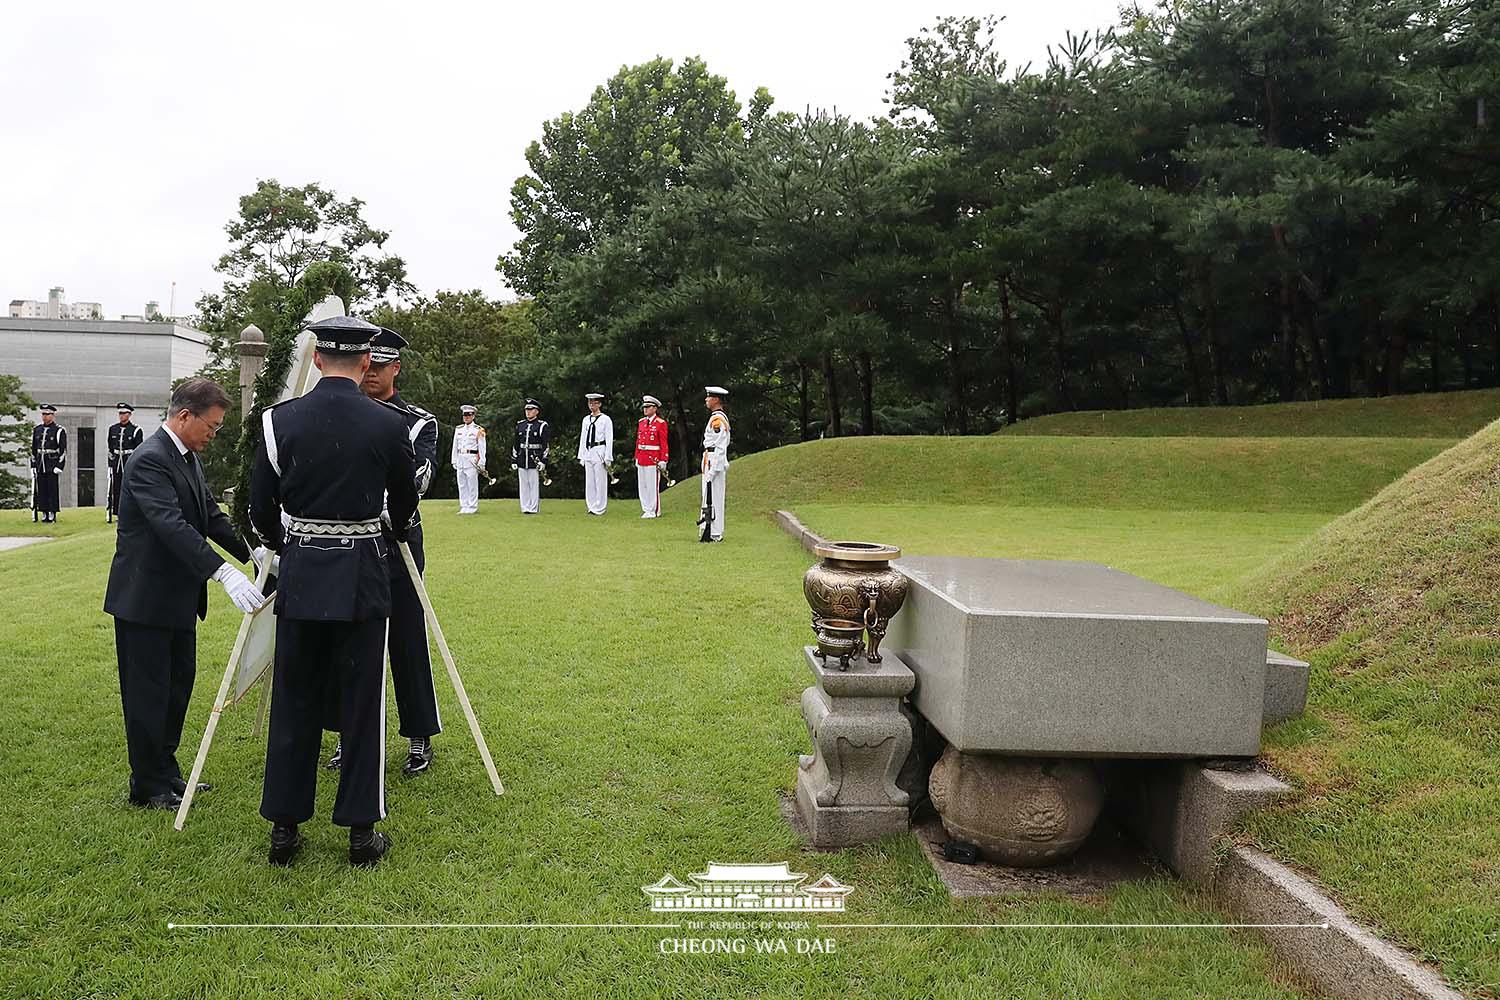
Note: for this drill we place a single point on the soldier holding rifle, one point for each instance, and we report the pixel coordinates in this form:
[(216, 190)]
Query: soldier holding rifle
[(124, 438)]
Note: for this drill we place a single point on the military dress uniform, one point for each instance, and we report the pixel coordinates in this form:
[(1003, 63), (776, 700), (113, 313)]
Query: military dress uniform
[(49, 456), (651, 456), (468, 456), (715, 468), (123, 439), (596, 450), (528, 454), (329, 461)]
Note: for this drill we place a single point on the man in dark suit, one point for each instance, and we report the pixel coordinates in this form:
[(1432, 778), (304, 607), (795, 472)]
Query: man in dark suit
[(158, 585), (328, 462)]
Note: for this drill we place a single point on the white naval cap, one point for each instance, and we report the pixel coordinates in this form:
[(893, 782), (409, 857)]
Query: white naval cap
[(650, 401), (715, 390), (467, 408), (593, 395)]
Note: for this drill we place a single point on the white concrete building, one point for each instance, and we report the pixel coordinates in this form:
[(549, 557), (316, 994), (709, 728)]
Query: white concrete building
[(85, 367), (56, 307)]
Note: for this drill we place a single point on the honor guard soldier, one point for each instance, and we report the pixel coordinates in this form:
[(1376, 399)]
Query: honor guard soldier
[(468, 459), (49, 456), (328, 461), (651, 453), (411, 663), (124, 438), (528, 456), (596, 450), (715, 464)]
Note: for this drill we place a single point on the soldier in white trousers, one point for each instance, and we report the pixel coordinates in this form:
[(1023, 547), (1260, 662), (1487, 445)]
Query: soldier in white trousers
[(529, 454), (715, 464), (596, 450), (650, 456), (468, 458)]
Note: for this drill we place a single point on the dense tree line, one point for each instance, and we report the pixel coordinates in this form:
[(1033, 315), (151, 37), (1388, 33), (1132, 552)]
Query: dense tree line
[(1219, 201)]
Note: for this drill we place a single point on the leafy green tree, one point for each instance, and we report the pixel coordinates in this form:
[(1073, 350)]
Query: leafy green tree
[(278, 234), (16, 410)]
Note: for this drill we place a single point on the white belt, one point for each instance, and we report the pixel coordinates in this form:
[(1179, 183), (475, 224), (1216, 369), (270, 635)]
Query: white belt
[(312, 527), (649, 447), (533, 447)]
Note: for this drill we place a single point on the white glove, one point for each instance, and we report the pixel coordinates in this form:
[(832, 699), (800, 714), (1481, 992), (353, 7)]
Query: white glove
[(239, 588), (661, 466), (258, 555), (514, 467)]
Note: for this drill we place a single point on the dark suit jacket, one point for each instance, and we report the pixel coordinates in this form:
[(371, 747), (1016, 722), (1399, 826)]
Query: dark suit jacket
[(162, 557)]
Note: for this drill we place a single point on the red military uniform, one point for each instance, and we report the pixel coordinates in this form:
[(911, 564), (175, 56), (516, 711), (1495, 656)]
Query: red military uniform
[(650, 441), (650, 448)]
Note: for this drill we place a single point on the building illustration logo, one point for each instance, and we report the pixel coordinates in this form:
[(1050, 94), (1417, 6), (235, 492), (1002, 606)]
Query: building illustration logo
[(753, 887)]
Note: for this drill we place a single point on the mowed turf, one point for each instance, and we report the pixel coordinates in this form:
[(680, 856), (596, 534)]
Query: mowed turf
[(1397, 606), (1270, 474), (640, 692), (1435, 415)]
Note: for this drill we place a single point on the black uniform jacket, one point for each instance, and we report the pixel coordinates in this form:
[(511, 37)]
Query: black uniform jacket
[(123, 440), (533, 441), (422, 432), (341, 455), (49, 447), (162, 557)]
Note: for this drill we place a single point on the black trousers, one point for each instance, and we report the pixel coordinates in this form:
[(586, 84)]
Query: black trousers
[(315, 661), (157, 668), (411, 660), (47, 492), (114, 491)]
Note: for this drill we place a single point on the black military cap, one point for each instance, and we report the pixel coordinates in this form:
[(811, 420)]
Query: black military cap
[(47, 408), (386, 346), (343, 334), (124, 408), (531, 403)]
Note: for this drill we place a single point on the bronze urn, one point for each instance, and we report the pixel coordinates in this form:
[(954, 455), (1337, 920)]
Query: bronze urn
[(856, 583)]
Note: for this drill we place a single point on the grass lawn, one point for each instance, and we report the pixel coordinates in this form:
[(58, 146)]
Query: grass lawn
[(1200, 553), (1271, 474), (652, 735), (1435, 414)]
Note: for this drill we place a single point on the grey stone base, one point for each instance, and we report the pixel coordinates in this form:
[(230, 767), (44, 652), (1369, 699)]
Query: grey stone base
[(1107, 859), (1286, 688), (829, 827), (1342, 958), (1182, 810)]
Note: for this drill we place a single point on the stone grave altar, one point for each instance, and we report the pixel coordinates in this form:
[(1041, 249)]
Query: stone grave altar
[(1049, 687)]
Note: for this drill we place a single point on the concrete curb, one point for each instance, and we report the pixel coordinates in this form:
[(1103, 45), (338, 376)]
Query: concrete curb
[(1346, 960), (805, 536)]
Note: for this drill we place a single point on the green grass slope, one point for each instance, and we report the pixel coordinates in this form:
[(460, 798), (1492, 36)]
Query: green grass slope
[(640, 694), (1251, 474), (1435, 415), (1397, 605)]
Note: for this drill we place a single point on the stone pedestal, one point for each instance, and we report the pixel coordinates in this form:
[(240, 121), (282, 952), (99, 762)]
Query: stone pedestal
[(846, 788)]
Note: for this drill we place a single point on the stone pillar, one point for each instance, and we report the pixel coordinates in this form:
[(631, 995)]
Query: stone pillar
[(252, 348), (846, 788)]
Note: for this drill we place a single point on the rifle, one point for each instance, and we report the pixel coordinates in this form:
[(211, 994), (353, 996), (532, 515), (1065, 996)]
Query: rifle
[(706, 515), (109, 500), (33, 492)]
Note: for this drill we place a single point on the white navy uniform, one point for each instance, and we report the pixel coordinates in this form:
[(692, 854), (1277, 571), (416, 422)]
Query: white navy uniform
[(596, 450), (468, 458), (715, 471)]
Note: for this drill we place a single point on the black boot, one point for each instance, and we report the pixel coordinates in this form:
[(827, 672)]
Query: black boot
[(367, 846), (285, 843), (337, 760), (419, 758)]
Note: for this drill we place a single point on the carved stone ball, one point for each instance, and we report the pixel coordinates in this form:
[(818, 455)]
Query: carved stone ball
[(1021, 811)]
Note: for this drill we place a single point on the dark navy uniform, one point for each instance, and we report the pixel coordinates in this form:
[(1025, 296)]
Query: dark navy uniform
[(329, 460), (528, 454), (411, 660), (123, 440), (49, 456)]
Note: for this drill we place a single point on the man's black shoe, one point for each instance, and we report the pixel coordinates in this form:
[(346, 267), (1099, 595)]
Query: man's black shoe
[(180, 787), (285, 843), (337, 760), (419, 758), (162, 800), (367, 846)]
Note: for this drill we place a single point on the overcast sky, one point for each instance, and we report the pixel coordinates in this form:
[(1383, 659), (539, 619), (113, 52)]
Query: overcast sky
[(129, 130)]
